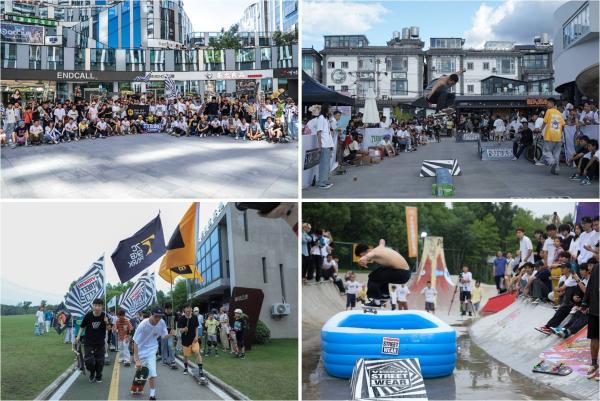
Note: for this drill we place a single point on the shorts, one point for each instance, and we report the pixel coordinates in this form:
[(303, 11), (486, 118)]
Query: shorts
[(191, 349), (350, 300), (592, 327), (150, 363), (212, 338), (429, 307), (465, 295), (239, 337)]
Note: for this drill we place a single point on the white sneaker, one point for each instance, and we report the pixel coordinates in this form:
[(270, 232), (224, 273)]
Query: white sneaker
[(540, 164)]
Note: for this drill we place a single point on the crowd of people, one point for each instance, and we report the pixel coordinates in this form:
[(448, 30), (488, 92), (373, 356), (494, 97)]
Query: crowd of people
[(243, 117), (523, 130), (156, 334)]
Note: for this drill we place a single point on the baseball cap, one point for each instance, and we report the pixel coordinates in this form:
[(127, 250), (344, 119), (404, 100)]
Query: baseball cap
[(237, 311), (158, 311), (196, 309)]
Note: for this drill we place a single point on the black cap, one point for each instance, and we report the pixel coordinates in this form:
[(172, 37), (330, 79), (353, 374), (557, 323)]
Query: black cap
[(158, 311)]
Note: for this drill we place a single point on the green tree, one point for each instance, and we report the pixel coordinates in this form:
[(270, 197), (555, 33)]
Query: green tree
[(285, 38), (179, 294), (229, 39), (26, 305)]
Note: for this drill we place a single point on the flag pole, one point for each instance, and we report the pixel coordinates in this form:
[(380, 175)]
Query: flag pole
[(104, 272)]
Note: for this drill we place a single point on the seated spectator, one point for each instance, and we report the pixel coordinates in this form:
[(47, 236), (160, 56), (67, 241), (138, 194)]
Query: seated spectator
[(581, 149), (351, 150), (361, 156), (3, 141), (574, 288), (386, 145), (525, 141), (540, 284), (254, 131), (215, 127), (84, 129), (179, 127), (101, 129), (242, 130), (20, 135), (117, 127), (330, 268), (36, 133), (71, 132), (51, 136), (203, 127), (139, 125), (587, 169)]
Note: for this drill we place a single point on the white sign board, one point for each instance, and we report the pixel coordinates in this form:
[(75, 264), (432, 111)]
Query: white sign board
[(372, 136), (388, 379)]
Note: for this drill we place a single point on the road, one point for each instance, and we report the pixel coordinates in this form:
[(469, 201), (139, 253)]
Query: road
[(398, 177), (151, 166), (172, 385)]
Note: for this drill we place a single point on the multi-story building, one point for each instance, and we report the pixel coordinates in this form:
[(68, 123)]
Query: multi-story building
[(113, 47), (270, 16), (242, 249), (394, 72), (576, 50), (312, 61)]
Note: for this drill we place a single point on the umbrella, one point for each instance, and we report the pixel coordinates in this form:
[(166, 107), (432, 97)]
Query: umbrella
[(371, 114)]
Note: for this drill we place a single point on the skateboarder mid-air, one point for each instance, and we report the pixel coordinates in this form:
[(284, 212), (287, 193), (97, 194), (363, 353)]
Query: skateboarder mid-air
[(391, 267), (146, 344), (438, 93), (93, 329)]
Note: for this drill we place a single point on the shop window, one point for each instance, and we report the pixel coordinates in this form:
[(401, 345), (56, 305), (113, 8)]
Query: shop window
[(9, 55), (244, 59), (265, 57), (55, 58), (35, 57), (285, 59)]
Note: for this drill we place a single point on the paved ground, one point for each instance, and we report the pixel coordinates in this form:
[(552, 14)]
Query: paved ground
[(399, 177), (151, 166), (172, 385)]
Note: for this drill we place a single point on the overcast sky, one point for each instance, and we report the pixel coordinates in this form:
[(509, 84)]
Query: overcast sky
[(475, 21), (212, 15), (45, 246)]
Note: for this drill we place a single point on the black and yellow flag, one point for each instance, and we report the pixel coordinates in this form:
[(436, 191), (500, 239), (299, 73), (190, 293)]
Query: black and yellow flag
[(180, 259)]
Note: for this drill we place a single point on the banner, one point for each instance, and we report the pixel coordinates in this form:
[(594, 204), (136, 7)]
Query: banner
[(138, 252), (171, 91), (372, 136), (140, 296), (152, 128), (19, 33), (61, 317), (311, 156), (412, 229), (135, 110), (496, 151), (112, 303), (86, 288), (389, 379), (180, 259), (245, 86)]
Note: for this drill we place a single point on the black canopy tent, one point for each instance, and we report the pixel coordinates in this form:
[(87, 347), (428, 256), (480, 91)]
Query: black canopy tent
[(315, 93)]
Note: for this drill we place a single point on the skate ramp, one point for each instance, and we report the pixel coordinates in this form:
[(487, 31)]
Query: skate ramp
[(320, 301), (509, 336), (499, 302), (432, 267)]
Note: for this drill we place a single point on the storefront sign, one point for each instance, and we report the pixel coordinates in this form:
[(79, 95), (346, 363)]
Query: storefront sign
[(167, 44), (289, 73), (536, 102), (19, 33), (29, 20), (69, 76), (250, 301), (87, 76), (52, 41)]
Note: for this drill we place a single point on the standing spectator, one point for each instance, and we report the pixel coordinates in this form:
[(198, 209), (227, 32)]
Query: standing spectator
[(476, 297), (402, 294), (325, 142), (224, 328), (499, 264), (306, 241), (240, 325), (48, 316), (430, 294), (590, 305), (166, 346), (11, 121), (39, 320), (587, 240), (552, 130), (393, 298), (466, 283), (352, 289), (525, 247)]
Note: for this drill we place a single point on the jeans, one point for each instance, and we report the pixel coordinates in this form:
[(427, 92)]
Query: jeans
[(124, 354), (168, 356), (521, 148), (292, 128), (69, 335), (551, 152), (10, 127), (325, 166), (94, 358)]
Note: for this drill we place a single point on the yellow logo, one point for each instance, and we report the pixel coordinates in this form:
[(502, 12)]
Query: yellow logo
[(148, 243)]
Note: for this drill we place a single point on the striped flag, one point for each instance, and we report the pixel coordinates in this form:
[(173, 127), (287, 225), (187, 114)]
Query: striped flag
[(112, 303), (87, 288), (171, 91), (140, 296)]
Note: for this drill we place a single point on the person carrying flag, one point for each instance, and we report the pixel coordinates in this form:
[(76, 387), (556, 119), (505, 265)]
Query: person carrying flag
[(93, 327), (146, 345)]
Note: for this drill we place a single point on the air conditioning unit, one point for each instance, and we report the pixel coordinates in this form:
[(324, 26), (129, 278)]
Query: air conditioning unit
[(281, 309)]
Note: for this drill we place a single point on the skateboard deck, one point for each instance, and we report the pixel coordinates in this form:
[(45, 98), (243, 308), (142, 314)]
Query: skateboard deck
[(202, 380), (541, 331), (372, 309), (552, 368), (79, 356), (139, 380)]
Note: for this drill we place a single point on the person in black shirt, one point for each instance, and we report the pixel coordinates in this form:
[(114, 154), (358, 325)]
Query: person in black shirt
[(188, 327), (526, 140), (212, 108), (168, 354), (94, 326)]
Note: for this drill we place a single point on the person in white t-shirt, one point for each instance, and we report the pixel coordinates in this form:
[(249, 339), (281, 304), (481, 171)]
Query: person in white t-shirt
[(146, 344), (329, 268), (325, 142), (59, 114), (352, 288), (430, 294), (499, 128), (588, 240), (39, 320), (525, 247), (548, 247), (402, 292), (465, 281)]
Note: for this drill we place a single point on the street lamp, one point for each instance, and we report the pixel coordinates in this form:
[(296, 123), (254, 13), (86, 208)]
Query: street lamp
[(423, 236)]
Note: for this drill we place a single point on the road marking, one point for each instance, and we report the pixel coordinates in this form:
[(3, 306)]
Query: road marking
[(220, 393), (113, 394), (65, 386)]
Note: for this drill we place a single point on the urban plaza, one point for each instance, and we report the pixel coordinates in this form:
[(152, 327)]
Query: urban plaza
[(182, 108)]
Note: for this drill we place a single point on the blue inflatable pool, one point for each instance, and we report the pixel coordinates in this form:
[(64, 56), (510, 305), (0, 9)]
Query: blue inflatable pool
[(351, 335)]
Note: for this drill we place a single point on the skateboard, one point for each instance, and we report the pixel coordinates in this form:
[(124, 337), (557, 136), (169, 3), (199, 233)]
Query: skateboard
[(541, 331), (79, 356), (139, 380), (552, 368), (372, 309), (201, 379)]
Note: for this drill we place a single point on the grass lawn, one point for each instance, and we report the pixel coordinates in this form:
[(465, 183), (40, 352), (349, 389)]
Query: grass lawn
[(29, 363), (269, 372)]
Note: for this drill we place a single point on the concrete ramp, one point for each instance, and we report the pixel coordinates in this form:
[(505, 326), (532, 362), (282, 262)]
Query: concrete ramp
[(432, 267), (320, 301), (509, 336)]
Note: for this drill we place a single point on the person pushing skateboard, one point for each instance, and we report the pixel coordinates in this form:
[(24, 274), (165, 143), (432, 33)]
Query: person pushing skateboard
[(145, 345), (93, 328), (391, 267)]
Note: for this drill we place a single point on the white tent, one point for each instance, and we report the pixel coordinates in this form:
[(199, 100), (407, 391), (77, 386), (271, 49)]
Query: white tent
[(371, 114)]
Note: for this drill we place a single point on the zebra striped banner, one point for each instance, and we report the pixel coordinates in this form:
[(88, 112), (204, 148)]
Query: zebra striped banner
[(171, 91), (428, 167), (138, 297), (87, 288), (389, 379)]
